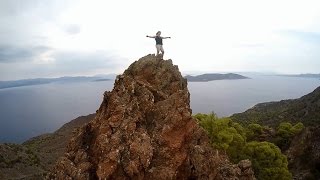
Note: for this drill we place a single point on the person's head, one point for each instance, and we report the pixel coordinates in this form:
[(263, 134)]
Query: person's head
[(158, 33)]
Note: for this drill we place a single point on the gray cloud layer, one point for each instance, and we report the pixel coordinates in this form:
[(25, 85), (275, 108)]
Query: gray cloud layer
[(14, 54), (72, 29), (24, 43), (80, 62), (65, 64)]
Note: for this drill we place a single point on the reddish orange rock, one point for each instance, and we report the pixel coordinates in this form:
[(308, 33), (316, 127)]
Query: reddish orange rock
[(144, 130)]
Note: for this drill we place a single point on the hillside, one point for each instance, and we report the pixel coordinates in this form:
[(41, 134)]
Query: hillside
[(303, 151), (212, 77), (304, 154), (33, 158), (305, 109)]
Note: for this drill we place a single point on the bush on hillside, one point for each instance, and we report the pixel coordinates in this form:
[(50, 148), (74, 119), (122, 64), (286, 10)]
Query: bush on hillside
[(285, 133), (224, 134), (267, 160)]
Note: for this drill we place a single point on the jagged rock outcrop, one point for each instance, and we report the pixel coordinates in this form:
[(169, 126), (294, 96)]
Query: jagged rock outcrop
[(144, 130)]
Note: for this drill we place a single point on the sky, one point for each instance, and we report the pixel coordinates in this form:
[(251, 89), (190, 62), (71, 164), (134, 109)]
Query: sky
[(81, 37)]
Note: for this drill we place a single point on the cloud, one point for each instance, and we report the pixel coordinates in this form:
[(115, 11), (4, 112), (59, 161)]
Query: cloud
[(219, 36), (72, 29), (251, 45), (22, 21), (47, 9), (76, 61), (13, 7), (11, 54), (63, 63)]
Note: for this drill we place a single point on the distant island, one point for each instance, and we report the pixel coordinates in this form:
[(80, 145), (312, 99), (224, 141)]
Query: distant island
[(102, 80), (214, 76), (302, 75), (39, 81)]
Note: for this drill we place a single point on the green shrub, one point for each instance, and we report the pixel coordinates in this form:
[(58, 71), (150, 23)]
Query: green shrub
[(35, 159), (267, 161), (285, 133), (297, 128), (253, 131), (224, 133), (206, 121)]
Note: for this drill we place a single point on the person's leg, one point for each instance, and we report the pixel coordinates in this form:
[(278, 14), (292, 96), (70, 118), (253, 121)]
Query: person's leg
[(158, 49), (161, 49)]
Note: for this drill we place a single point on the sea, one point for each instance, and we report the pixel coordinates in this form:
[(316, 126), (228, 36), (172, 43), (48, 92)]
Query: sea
[(29, 111)]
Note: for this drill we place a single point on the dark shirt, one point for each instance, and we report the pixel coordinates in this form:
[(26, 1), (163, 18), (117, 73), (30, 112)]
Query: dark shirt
[(158, 40)]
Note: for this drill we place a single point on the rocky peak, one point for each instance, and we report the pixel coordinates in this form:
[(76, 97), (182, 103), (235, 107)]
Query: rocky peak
[(144, 130)]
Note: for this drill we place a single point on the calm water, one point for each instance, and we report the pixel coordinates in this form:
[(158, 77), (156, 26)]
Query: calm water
[(33, 110), (227, 97)]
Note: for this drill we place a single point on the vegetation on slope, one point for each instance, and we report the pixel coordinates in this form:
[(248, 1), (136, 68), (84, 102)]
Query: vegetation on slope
[(305, 109), (225, 134), (33, 158)]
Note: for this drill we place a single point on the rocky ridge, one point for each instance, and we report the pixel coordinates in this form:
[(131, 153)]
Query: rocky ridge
[(144, 130)]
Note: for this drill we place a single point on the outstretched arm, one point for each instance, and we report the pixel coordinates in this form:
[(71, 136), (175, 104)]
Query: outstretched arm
[(166, 37), (151, 36)]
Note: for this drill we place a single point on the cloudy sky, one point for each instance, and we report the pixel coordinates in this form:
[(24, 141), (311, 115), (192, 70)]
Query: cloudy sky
[(81, 37)]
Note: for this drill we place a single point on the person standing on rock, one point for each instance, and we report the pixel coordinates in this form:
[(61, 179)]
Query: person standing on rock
[(159, 44)]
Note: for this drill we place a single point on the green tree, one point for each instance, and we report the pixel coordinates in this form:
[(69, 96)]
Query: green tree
[(224, 134), (267, 160), (285, 133), (206, 121), (253, 131), (297, 128)]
